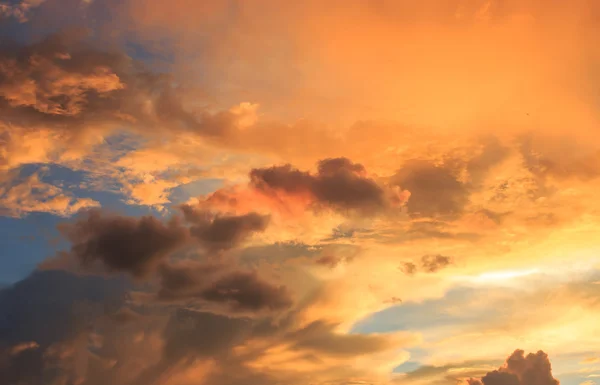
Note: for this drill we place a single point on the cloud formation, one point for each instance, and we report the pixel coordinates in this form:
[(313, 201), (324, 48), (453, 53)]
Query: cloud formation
[(428, 264), (339, 183), (535, 368), (434, 190), (223, 232), (328, 144), (123, 244), (236, 290)]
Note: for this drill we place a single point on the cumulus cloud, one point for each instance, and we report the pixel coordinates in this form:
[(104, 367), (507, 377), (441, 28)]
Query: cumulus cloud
[(339, 185), (222, 232), (535, 368), (123, 244)]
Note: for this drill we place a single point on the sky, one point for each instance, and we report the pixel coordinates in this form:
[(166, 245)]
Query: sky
[(357, 192)]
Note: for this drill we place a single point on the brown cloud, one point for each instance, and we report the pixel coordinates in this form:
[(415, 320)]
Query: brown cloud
[(428, 264), (339, 184), (330, 261), (63, 81), (434, 190), (433, 263), (245, 291), (408, 268), (123, 244), (219, 284), (535, 368), (223, 232)]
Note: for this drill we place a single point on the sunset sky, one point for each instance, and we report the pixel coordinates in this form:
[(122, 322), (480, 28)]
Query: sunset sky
[(279, 192)]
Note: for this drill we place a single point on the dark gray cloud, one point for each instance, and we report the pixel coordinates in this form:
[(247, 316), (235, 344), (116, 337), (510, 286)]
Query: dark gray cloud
[(45, 310), (218, 284), (192, 333), (245, 291), (50, 306), (339, 183), (223, 232), (123, 244)]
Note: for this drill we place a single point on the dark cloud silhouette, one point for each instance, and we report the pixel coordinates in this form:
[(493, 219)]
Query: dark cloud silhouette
[(185, 279), (203, 334), (434, 190), (218, 284), (223, 232), (533, 369), (45, 310), (339, 183), (245, 291), (123, 244), (50, 306)]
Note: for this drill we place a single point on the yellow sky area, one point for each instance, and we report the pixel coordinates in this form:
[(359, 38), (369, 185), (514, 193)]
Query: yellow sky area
[(451, 65)]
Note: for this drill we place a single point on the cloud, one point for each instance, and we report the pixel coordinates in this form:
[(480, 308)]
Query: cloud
[(62, 96), (433, 263), (236, 290), (20, 196), (535, 368), (19, 10), (64, 81), (434, 190), (428, 264), (46, 309), (116, 343), (223, 232), (339, 185), (123, 244), (331, 261), (244, 291)]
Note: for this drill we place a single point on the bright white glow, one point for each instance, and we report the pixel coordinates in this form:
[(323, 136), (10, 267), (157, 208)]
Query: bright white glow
[(505, 275), (498, 277)]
